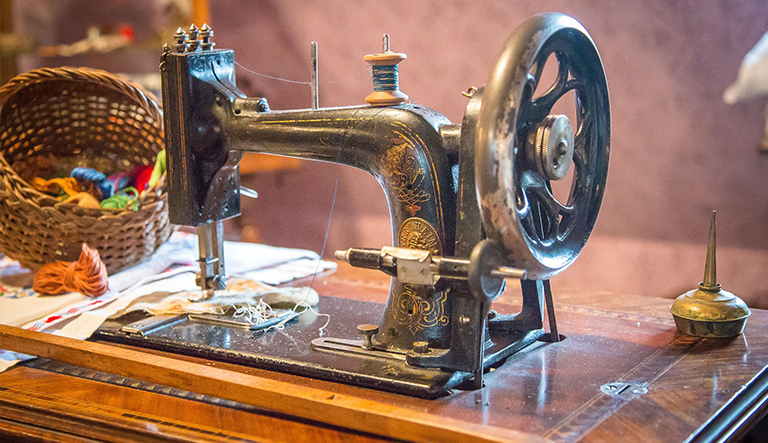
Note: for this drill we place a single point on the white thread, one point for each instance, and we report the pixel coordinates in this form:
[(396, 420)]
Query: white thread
[(297, 82), (303, 303), (281, 325), (254, 314), (271, 77), (328, 228)]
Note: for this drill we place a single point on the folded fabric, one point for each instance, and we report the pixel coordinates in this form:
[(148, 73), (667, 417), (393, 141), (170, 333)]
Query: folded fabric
[(81, 320), (242, 258), (245, 293), (20, 306), (171, 269)]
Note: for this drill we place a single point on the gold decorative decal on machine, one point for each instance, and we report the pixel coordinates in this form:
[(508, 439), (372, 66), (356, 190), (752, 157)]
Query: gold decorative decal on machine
[(412, 306), (418, 312), (402, 168), (417, 233)]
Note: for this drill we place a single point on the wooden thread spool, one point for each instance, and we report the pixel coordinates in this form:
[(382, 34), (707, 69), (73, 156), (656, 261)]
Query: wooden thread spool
[(386, 87)]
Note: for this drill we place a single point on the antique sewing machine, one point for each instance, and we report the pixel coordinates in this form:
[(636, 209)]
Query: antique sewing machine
[(470, 205)]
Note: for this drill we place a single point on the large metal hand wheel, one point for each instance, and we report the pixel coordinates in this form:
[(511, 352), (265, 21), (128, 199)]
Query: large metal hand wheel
[(520, 147)]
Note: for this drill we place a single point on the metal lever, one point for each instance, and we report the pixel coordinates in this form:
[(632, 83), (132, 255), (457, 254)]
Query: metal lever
[(368, 331), (417, 266), (248, 192)]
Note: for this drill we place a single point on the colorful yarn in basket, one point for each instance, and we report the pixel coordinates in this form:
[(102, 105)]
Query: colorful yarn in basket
[(99, 178), (84, 200), (122, 200), (85, 194), (158, 170), (142, 175), (68, 186), (110, 186)]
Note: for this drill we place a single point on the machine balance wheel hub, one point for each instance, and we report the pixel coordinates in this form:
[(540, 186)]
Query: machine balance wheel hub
[(521, 145), (550, 146)]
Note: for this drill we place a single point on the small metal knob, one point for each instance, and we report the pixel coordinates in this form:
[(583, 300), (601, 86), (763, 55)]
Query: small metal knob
[(192, 41), (205, 34), (219, 282), (180, 37), (420, 347), (368, 331)]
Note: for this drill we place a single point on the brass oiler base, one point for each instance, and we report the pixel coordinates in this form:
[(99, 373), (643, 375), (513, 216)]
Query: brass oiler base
[(710, 329), (710, 312)]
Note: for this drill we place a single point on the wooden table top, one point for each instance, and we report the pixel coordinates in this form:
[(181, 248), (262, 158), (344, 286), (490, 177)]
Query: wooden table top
[(622, 373)]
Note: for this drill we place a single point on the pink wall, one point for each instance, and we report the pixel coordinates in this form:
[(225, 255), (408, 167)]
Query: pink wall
[(678, 151)]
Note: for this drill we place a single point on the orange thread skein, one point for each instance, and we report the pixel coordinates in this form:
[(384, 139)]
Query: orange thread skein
[(88, 275)]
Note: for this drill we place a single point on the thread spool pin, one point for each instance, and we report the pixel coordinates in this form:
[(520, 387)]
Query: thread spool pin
[(386, 88), (314, 83)]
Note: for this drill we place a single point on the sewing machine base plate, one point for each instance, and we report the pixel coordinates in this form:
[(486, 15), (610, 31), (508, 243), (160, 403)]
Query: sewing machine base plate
[(289, 350)]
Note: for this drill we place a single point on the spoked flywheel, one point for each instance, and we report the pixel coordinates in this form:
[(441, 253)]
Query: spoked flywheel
[(521, 147)]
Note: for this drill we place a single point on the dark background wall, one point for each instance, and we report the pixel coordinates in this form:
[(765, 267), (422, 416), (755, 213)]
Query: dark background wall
[(678, 151)]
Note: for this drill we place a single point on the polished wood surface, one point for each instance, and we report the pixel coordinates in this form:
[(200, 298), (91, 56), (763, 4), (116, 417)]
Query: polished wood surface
[(319, 405), (674, 386)]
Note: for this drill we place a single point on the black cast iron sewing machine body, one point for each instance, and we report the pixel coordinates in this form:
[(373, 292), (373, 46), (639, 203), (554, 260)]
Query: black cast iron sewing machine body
[(470, 204)]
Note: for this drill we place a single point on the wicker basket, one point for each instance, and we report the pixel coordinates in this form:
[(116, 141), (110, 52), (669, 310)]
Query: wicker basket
[(82, 117)]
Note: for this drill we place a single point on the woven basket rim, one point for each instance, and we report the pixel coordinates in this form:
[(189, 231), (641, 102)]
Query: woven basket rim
[(83, 74), (142, 98)]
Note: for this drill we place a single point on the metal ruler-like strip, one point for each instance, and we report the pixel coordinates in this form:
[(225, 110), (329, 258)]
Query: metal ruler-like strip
[(45, 364)]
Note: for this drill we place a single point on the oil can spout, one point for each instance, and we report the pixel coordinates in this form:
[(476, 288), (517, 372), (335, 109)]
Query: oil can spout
[(710, 269)]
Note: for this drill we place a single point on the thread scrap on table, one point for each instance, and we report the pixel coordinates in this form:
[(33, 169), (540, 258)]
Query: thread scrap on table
[(254, 314)]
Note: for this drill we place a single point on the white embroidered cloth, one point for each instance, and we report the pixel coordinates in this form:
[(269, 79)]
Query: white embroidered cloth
[(171, 269)]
